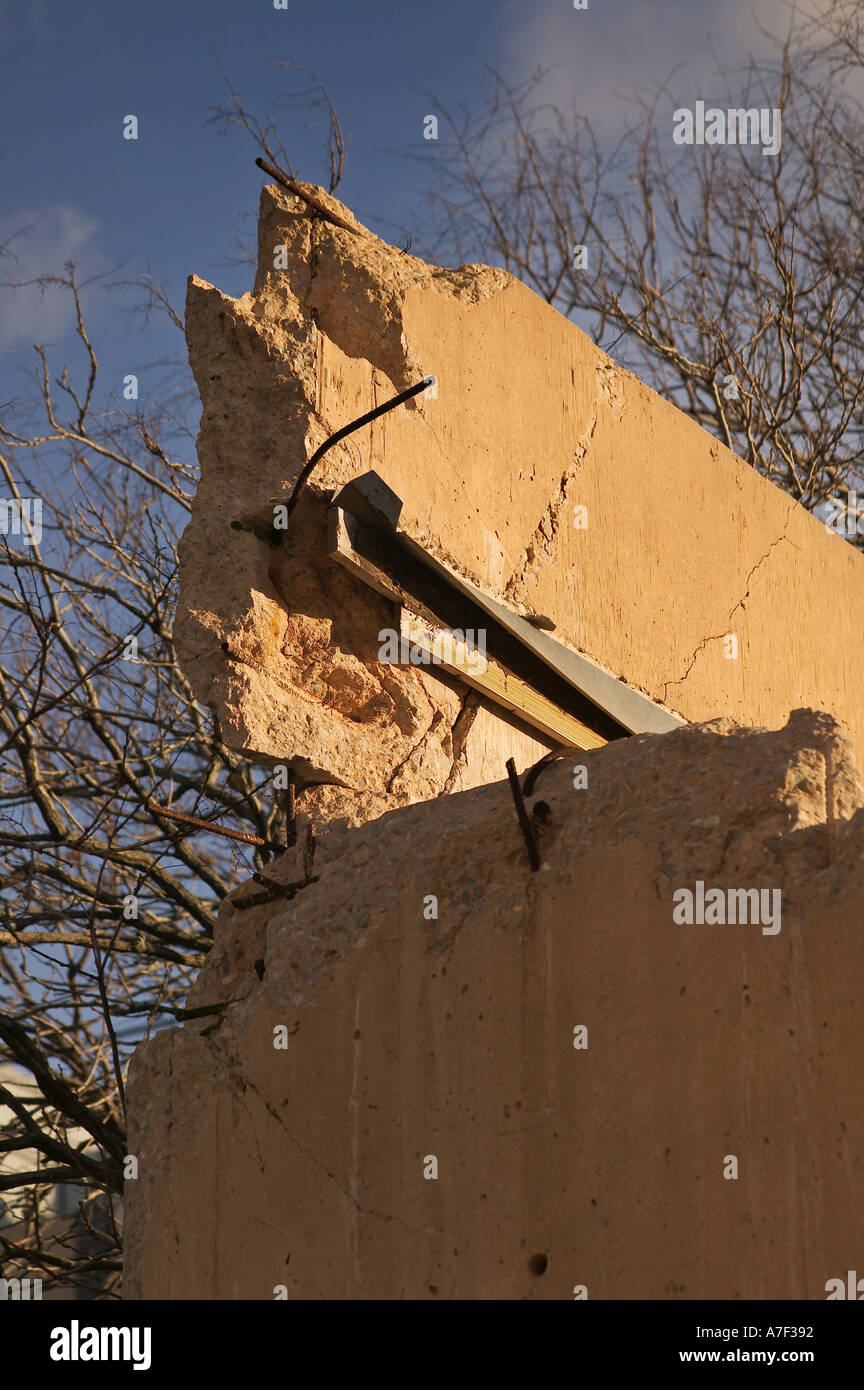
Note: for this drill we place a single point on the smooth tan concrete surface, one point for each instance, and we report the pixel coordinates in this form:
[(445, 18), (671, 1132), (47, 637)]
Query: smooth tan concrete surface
[(299, 1170)]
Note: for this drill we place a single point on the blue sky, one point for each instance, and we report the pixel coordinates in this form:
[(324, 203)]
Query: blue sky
[(172, 202)]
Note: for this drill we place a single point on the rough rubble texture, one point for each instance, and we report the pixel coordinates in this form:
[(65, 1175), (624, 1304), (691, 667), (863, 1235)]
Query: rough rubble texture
[(408, 1036), (684, 543)]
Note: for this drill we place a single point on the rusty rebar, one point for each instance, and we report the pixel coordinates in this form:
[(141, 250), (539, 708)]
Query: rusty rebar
[(282, 890), (274, 891), (200, 824), (201, 1012), (349, 429), (534, 772), (290, 812), (522, 816), (257, 899), (313, 201)]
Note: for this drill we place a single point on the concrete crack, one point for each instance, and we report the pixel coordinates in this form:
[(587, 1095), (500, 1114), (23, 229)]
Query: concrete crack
[(244, 1083), (539, 548), (719, 636), (408, 756), (307, 1153), (458, 735)]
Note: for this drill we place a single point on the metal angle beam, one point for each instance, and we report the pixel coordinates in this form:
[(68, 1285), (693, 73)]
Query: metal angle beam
[(445, 650), (365, 537)]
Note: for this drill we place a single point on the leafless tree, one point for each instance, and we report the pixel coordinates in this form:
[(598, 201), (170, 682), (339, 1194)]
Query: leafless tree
[(729, 280), (106, 908), (312, 98)]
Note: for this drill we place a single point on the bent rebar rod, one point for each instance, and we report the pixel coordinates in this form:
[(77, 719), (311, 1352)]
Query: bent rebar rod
[(522, 816), (349, 429)]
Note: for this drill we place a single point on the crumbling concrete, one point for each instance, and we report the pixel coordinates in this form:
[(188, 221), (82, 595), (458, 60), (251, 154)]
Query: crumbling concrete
[(422, 1001), (434, 1073), (694, 579)]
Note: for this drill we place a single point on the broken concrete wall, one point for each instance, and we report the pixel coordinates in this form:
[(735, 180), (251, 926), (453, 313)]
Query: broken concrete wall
[(390, 1094), (305, 1169), (684, 545)]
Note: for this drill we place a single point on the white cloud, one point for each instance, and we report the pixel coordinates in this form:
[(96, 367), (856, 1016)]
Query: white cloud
[(38, 242), (603, 56)]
